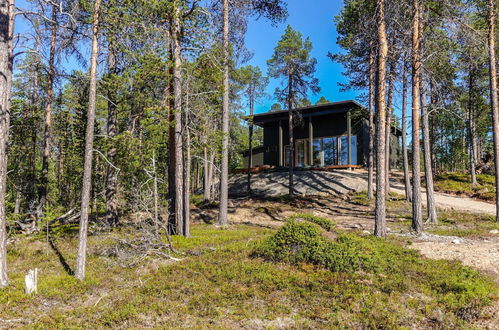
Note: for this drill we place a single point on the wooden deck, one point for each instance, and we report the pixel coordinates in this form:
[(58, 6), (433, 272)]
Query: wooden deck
[(264, 168)]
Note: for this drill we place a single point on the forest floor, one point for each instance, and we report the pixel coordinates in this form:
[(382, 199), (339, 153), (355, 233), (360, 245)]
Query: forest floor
[(215, 281)]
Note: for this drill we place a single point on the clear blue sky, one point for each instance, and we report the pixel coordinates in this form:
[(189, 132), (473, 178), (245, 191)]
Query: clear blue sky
[(314, 19)]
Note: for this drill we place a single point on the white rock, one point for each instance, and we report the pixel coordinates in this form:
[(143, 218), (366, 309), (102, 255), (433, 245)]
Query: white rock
[(494, 231), (457, 241)]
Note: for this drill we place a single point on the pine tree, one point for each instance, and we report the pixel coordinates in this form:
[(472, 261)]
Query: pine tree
[(292, 63)]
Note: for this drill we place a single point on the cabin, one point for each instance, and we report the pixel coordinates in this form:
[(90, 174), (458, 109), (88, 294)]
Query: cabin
[(331, 135)]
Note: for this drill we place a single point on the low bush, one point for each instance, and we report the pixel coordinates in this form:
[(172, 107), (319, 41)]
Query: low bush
[(323, 222)]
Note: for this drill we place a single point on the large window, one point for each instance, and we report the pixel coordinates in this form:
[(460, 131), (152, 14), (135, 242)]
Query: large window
[(327, 151)]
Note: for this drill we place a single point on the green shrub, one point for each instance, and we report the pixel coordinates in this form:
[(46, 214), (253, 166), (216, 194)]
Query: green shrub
[(323, 222)]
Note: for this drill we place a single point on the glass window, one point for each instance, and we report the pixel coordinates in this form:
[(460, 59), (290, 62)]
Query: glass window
[(344, 150), (301, 153), (286, 156), (353, 142), (330, 151), (317, 152)]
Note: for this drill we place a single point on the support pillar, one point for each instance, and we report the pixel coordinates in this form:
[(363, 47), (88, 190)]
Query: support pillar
[(310, 142), (281, 149), (349, 133)]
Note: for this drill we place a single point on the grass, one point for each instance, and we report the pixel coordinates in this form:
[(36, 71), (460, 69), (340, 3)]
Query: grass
[(324, 223), (460, 184), (225, 286)]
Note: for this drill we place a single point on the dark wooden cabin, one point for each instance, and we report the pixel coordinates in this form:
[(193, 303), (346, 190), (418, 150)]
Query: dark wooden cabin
[(332, 135)]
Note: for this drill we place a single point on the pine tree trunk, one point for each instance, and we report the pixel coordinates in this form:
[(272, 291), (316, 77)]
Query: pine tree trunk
[(388, 132), (206, 176), (370, 161), (417, 222), (430, 195), (177, 98), (291, 138), (250, 148), (7, 18), (111, 172), (493, 95), (171, 136), (224, 175), (89, 145), (380, 210), (33, 196), (407, 179), (471, 128), (48, 119), (187, 181)]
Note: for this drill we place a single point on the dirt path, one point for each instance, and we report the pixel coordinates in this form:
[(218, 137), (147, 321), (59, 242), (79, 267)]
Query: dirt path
[(446, 201)]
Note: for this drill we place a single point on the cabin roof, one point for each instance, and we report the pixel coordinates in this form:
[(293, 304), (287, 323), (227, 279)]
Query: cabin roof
[(313, 110)]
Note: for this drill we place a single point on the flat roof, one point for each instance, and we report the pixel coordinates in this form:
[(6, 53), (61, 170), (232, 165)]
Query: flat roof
[(313, 110)]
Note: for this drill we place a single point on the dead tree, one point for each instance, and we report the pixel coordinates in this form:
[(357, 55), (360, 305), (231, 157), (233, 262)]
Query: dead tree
[(89, 144)]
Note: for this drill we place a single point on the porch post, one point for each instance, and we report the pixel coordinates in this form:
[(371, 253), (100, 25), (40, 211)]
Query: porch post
[(349, 132), (281, 163), (310, 142)]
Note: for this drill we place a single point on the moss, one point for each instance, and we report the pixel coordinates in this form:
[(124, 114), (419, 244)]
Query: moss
[(460, 184)]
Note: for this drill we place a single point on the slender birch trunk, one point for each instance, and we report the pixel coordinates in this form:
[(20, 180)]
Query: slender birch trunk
[(370, 161), (407, 179), (430, 195), (44, 182), (224, 175), (417, 222), (7, 18), (380, 211), (81, 256), (493, 95)]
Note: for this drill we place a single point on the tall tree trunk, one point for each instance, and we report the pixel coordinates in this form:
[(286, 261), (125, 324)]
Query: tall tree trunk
[(177, 98), (407, 179), (224, 175), (388, 132), (250, 155), (155, 192), (81, 256), (370, 161), (471, 128), (206, 176), (171, 135), (112, 115), (48, 119), (430, 195), (417, 222), (33, 198), (493, 95), (380, 211), (187, 181), (291, 158), (7, 18)]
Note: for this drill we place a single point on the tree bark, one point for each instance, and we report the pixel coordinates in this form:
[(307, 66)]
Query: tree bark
[(370, 161), (388, 132), (177, 99), (224, 175), (471, 128), (380, 211), (291, 157), (7, 18), (89, 144), (430, 195), (407, 179), (171, 135), (493, 95), (417, 223), (48, 119), (250, 128), (206, 176), (111, 172), (187, 181)]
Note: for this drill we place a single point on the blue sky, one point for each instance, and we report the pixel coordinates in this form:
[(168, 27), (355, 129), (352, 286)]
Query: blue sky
[(314, 19)]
